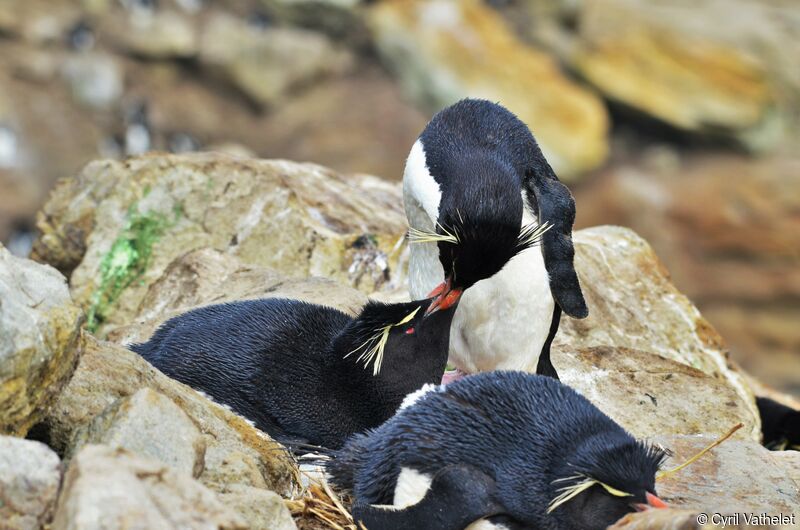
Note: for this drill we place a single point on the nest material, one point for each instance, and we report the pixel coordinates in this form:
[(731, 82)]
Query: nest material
[(318, 507)]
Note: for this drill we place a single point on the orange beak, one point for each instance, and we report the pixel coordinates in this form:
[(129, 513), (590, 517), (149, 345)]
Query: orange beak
[(652, 502), (444, 297)]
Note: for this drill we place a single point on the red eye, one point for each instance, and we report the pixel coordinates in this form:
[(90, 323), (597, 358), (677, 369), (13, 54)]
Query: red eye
[(410, 331)]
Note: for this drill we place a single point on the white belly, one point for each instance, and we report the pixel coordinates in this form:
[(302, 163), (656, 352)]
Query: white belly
[(502, 322)]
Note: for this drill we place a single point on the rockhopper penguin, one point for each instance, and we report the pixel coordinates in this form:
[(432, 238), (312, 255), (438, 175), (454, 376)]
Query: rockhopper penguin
[(304, 373), (477, 190), (497, 450)]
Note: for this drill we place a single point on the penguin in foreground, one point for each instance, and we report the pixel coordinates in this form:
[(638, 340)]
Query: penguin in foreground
[(304, 373), (477, 190), (497, 450)]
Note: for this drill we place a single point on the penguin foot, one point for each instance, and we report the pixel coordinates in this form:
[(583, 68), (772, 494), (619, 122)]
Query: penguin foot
[(452, 376)]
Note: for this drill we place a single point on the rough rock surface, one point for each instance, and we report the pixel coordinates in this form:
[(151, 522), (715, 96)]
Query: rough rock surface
[(151, 425), (262, 509), (650, 395), (40, 340), (633, 304), (725, 230), (30, 474), (300, 219), (267, 63), (236, 453), (444, 51), (111, 488), (736, 476), (672, 519), (157, 34), (207, 276), (660, 60), (369, 126)]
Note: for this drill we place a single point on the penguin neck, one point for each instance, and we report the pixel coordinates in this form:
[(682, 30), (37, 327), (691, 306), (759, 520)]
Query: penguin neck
[(409, 362)]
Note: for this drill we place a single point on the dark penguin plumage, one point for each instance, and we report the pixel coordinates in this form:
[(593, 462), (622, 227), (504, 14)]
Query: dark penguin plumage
[(780, 424), (501, 446), (477, 174), (287, 365)]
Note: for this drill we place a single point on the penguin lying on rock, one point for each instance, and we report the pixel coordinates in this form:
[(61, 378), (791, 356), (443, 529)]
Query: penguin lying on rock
[(477, 190), (497, 450), (304, 373)]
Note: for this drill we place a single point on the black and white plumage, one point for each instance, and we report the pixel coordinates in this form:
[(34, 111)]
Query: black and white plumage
[(512, 449), (304, 373), (477, 173)]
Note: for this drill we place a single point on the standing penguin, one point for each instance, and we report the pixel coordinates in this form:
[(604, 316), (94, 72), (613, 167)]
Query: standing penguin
[(477, 190), (304, 373), (497, 450)]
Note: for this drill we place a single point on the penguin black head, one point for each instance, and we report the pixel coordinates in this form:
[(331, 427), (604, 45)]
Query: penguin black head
[(606, 478), (472, 173), (400, 348), (478, 228)]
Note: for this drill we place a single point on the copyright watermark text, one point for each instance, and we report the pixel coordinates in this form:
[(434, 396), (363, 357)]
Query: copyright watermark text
[(749, 518)]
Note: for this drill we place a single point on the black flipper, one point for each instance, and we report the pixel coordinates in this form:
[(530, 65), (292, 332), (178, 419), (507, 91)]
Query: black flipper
[(545, 365), (555, 205), (459, 495)]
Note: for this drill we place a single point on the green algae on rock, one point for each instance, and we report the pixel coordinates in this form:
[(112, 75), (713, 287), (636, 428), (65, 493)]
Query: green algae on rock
[(127, 260), (298, 219)]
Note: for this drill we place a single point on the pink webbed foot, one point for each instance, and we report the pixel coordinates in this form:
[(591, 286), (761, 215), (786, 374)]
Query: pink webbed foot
[(451, 376)]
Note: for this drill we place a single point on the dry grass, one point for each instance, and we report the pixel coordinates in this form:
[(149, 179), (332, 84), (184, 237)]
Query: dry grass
[(318, 507)]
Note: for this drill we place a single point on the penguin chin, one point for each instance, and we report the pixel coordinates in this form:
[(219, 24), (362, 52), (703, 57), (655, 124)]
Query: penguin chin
[(594, 510)]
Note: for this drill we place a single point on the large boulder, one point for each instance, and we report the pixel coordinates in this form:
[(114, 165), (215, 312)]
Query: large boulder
[(736, 476), (443, 51), (119, 224), (266, 63), (724, 227), (650, 395), (30, 475), (207, 276), (112, 488), (704, 68), (262, 509), (149, 424), (156, 34), (235, 452), (40, 340), (633, 304)]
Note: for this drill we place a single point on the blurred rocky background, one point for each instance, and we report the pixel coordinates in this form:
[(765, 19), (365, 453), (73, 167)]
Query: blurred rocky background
[(677, 118)]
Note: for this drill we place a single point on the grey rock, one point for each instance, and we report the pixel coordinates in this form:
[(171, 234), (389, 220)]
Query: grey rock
[(95, 79), (266, 63), (148, 424), (299, 219), (30, 474), (262, 509), (40, 340), (235, 451), (650, 395), (208, 276), (633, 304), (736, 476), (107, 488)]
